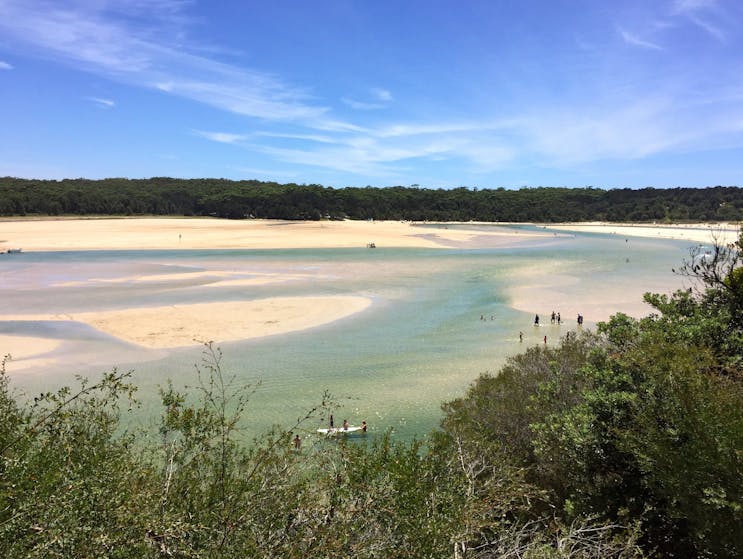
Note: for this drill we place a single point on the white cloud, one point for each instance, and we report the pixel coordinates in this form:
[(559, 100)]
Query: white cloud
[(565, 137), (377, 98), (684, 6), (362, 105), (698, 12), (324, 139), (5, 66), (91, 39), (103, 103), (388, 151), (436, 128), (382, 94), (221, 137), (711, 29), (634, 40)]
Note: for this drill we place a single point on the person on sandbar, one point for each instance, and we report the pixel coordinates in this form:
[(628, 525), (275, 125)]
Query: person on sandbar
[(536, 320), (363, 426), (345, 424)]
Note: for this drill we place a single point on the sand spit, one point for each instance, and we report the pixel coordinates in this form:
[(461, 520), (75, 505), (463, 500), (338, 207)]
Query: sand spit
[(695, 232), (188, 325)]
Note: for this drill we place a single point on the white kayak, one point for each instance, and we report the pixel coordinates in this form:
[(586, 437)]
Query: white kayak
[(350, 430)]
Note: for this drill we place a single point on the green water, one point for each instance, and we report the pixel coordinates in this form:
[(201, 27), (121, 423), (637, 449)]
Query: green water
[(420, 343)]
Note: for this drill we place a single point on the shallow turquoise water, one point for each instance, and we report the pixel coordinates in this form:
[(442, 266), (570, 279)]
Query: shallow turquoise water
[(420, 343)]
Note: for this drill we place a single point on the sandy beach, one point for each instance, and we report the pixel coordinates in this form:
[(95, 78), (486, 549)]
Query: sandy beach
[(179, 325), (208, 233), (695, 232)]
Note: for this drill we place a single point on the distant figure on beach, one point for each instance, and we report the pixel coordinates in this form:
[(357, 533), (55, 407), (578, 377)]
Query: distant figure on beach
[(552, 318), (536, 320), (363, 426), (580, 320), (521, 336), (331, 421), (558, 319), (297, 442), (545, 339), (482, 317), (345, 424)]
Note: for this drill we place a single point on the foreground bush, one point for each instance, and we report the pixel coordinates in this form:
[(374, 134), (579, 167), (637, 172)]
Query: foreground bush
[(74, 484)]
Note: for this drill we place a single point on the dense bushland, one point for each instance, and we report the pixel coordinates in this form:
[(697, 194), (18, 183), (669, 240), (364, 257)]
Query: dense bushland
[(251, 198), (626, 442)]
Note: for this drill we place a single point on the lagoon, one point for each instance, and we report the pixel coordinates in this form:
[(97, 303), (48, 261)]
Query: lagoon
[(438, 318)]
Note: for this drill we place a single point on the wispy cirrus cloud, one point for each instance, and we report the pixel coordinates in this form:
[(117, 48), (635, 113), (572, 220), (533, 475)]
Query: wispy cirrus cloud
[(377, 98), (5, 66), (90, 36), (221, 137), (702, 13), (103, 103), (637, 41), (564, 137), (388, 151), (320, 138)]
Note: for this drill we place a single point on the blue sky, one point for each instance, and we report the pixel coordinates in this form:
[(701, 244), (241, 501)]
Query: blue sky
[(438, 93)]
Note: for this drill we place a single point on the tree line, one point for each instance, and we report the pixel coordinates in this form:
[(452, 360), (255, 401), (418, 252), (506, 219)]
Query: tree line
[(269, 200), (620, 443)]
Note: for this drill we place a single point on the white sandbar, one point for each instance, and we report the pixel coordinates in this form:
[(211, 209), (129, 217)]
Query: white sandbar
[(187, 325), (696, 232)]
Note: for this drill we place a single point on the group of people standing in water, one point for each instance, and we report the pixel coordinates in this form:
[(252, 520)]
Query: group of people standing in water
[(554, 318)]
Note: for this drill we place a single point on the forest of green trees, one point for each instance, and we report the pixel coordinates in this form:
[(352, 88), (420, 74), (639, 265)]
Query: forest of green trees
[(624, 442), (250, 198)]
